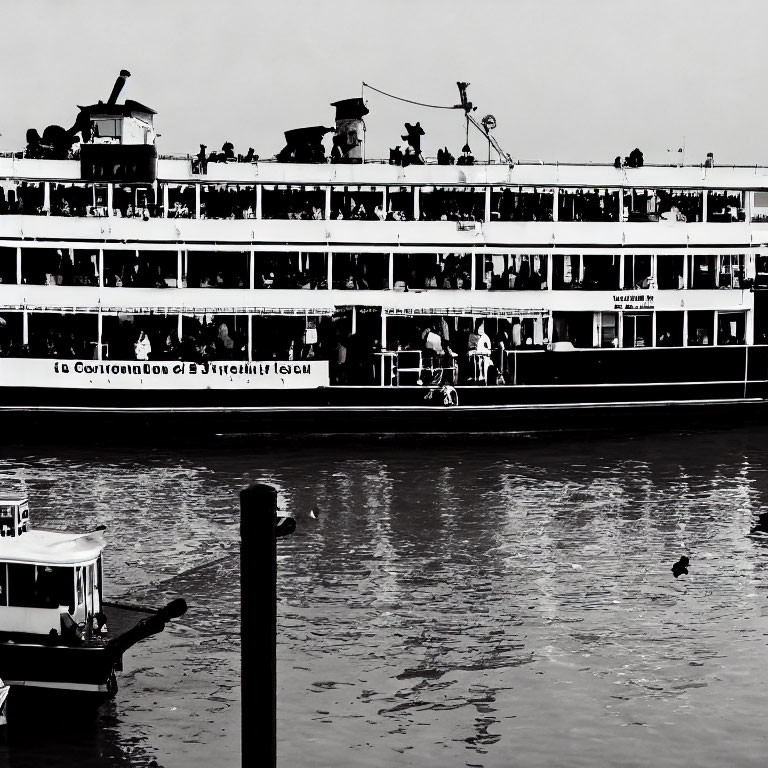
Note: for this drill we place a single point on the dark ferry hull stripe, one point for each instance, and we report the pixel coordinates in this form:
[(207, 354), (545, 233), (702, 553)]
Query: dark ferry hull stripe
[(380, 408)]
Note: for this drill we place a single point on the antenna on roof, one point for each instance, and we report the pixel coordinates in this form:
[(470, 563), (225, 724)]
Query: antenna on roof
[(485, 128)]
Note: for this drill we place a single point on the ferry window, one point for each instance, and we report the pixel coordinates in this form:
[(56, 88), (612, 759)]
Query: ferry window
[(638, 330), (669, 329), (588, 205), (224, 201), (181, 201), (759, 206), (432, 270), (701, 328), (365, 203), (8, 199), (63, 335), (218, 269), (640, 205), (107, 128), (140, 269), (680, 205), (85, 267), (608, 329), (70, 199), (31, 197), (730, 327), (566, 271), (283, 201), (522, 204), (213, 337), (669, 271), (399, 204), (7, 265), (503, 272), (637, 271), (601, 272), (731, 270), (45, 266), (452, 203), (11, 335), (725, 205), (702, 270), (361, 271), (120, 334), (290, 269), (130, 201), (3, 585), (278, 337), (576, 327)]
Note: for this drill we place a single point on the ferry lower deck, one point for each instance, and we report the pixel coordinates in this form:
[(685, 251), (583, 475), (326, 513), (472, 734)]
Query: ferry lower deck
[(555, 390)]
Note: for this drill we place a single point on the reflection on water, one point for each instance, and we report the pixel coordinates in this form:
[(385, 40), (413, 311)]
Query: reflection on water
[(481, 603)]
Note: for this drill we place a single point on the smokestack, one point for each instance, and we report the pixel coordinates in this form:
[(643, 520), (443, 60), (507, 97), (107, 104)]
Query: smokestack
[(350, 128), (119, 83)]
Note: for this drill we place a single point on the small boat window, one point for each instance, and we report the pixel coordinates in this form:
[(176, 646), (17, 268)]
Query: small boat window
[(32, 586)]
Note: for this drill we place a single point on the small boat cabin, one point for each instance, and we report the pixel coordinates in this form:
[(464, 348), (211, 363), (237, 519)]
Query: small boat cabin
[(50, 581)]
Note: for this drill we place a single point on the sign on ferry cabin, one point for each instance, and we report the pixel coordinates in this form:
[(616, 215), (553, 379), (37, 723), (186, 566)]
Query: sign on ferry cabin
[(164, 374), (633, 300)]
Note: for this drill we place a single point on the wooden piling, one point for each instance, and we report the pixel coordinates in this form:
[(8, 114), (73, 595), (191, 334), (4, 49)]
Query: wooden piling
[(258, 623)]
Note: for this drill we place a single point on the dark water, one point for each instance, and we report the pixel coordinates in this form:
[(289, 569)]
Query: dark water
[(485, 602)]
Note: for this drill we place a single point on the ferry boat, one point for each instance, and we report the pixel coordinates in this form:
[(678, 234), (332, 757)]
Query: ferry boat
[(308, 292), (55, 645)]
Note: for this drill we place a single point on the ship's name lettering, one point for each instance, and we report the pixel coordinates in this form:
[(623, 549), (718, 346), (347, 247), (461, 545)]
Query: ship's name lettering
[(638, 297), (183, 369)]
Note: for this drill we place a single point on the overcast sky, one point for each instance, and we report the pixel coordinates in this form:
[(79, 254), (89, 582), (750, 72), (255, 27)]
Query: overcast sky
[(567, 80)]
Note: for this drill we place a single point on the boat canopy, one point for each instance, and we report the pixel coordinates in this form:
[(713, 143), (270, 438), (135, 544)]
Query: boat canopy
[(42, 547)]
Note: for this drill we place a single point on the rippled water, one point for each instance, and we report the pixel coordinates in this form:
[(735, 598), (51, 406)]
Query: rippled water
[(483, 603)]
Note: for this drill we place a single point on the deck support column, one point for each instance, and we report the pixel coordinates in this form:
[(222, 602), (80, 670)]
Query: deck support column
[(25, 327), (250, 338), (391, 271), (416, 205), (197, 201), (259, 195), (330, 270), (327, 215), (18, 266), (555, 203), (99, 333), (685, 328)]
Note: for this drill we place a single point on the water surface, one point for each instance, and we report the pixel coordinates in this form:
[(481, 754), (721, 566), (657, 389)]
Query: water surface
[(479, 602)]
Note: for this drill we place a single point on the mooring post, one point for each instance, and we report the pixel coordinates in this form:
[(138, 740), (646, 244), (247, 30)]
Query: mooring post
[(258, 624)]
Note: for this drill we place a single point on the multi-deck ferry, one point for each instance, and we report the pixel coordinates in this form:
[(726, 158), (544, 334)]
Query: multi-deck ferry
[(314, 292)]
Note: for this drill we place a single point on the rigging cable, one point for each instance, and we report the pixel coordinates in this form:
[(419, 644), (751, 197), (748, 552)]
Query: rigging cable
[(410, 101)]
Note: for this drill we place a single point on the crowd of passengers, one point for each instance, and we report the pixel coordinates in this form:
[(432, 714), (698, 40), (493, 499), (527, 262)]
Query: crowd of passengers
[(440, 205)]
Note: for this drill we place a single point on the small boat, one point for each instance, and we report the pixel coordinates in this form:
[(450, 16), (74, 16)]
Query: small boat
[(54, 640)]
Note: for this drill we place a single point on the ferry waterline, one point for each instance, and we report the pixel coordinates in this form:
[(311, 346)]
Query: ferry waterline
[(312, 293)]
